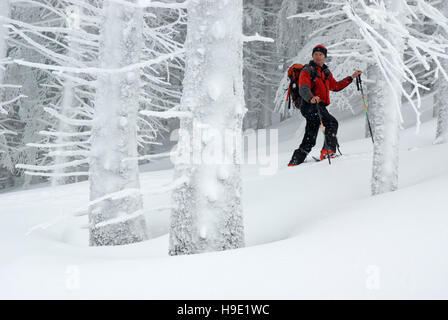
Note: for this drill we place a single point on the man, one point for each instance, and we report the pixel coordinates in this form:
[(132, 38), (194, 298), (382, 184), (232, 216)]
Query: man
[(315, 83)]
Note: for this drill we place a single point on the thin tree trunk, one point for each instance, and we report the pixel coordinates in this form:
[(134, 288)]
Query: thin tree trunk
[(67, 108), (114, 138), (268, 98), (208, 211)]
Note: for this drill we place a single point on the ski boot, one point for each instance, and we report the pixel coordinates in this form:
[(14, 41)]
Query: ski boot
[(325, 153), (298, 157)]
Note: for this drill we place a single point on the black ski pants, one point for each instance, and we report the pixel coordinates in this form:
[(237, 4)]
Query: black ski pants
[(309, 111)]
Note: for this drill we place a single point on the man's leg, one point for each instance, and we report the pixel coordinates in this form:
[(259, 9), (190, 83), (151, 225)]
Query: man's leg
[(331, 128), (311, 128), (309, 139)]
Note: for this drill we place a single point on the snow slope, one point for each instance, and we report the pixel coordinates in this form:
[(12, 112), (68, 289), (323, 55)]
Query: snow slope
[(312, 231)]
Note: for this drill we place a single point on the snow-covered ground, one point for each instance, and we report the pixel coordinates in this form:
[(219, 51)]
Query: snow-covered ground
[(312, 231)]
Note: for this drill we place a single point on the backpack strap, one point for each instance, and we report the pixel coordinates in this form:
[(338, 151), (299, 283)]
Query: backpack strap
[(327, 73), (289, 96), (311, 71)]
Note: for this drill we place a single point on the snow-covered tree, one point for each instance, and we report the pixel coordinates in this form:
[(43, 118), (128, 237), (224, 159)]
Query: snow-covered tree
[(207, 214), (114, 135), (105, 70), (62, 143), (441, 96), (22, 93), (114, 131), (65, 40)]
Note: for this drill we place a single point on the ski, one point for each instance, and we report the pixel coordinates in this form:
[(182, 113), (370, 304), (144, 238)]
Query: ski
[(318, 159)]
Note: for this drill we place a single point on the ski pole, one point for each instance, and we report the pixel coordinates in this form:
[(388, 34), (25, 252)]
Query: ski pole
[(323, 131), (359, 85)]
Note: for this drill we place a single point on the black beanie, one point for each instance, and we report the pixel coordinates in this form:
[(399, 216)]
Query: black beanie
[(320, 48)]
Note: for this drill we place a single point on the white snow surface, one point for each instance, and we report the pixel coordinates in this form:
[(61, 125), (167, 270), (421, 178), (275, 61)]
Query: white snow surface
[(312, 231)]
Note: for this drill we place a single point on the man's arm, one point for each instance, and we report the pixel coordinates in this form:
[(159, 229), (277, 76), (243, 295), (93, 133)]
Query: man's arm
[(339, 85), (305, 86)]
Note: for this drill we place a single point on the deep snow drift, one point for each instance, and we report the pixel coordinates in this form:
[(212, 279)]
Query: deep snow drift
[(312, 231)]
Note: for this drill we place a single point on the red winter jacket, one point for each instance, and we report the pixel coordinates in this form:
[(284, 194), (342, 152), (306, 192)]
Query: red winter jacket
[(320, 87)]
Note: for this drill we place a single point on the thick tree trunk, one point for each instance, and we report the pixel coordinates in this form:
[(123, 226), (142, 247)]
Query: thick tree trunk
[(441, 101), (386, 123), (248, 84), (208, 211), (116, 221), (441, 97)]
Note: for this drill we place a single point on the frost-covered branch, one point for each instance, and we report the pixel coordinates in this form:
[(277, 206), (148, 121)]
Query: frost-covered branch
[(167, 114), (131, 192), (153, 4), (96, 71), (257, 37)]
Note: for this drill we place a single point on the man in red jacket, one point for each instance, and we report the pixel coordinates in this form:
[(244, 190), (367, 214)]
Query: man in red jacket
[(315, 83)]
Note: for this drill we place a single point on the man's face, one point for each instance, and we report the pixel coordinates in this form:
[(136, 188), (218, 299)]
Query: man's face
[(319, 58)]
